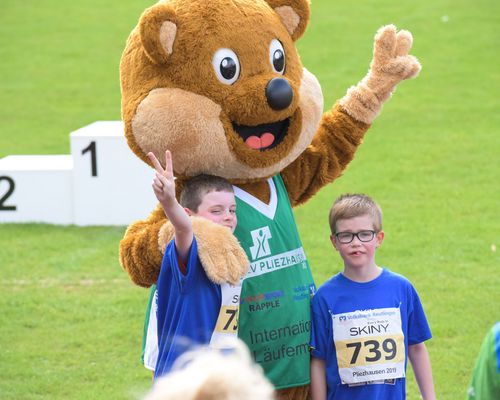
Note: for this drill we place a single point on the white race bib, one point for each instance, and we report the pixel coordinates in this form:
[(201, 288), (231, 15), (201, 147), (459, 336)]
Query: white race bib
[(226, 328), (369, 345)]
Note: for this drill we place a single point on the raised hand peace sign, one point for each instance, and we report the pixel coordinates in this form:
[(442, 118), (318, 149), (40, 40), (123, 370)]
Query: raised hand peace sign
[(163, 183)]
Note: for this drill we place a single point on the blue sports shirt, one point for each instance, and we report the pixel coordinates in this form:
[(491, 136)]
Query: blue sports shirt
[(370, 344), (188, 307)]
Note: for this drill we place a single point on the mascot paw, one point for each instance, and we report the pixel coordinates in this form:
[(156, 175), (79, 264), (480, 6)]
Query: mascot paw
[(390, 55), (390, 65), (220, 252)]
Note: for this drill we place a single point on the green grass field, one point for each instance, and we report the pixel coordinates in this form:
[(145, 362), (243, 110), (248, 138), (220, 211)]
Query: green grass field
[(71, 321)]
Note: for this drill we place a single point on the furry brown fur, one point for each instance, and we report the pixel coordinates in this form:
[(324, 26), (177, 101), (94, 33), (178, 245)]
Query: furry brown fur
[(173, 98)]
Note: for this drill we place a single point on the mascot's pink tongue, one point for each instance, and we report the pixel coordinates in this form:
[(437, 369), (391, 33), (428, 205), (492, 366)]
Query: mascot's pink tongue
[(265, 140)]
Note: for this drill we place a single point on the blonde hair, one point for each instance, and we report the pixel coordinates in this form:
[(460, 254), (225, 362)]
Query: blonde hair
[(209, 374), (355, 205)]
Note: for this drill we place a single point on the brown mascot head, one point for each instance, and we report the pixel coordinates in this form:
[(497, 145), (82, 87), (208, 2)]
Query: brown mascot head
[(220, 84)]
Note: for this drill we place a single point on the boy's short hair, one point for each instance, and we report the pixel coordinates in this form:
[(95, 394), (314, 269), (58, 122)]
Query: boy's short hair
[(197, 187), (355, 205)]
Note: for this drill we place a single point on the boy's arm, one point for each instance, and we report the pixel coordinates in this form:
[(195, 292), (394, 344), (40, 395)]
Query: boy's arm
[(164, 189), (421, 364), (318, 379)]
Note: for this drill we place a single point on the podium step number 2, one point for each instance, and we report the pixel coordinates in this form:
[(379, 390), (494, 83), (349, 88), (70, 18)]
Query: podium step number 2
[(100, 183)]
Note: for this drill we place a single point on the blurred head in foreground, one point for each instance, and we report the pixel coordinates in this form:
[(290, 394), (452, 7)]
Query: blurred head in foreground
[(208, 374)]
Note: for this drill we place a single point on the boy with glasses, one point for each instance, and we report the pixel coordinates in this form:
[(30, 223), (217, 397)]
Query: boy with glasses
[(367, 320)]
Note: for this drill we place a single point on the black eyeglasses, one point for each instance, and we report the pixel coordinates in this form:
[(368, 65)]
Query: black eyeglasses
[(348, 237)]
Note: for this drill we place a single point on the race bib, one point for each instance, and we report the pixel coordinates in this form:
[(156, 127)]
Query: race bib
[(226, 328), (369, 345)]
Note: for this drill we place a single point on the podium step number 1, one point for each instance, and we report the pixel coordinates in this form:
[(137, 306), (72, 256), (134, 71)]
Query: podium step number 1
[(100, 183)]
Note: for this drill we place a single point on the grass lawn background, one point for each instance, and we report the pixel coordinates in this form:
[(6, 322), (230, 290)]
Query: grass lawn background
[(70, 320)]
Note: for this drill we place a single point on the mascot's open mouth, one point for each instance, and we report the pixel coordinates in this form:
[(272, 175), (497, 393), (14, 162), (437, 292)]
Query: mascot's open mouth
[(265, 136)]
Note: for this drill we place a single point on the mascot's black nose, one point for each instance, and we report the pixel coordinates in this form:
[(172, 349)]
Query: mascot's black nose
[(279, 93)]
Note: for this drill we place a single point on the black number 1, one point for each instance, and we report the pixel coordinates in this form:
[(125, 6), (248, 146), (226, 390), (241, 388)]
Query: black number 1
[(7, 194), (93, 156)]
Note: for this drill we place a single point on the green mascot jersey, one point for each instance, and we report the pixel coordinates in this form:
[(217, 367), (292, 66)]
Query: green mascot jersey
[(274, 319)]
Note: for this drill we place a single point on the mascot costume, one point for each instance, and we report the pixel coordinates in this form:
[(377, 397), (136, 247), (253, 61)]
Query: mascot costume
[(220, 84)]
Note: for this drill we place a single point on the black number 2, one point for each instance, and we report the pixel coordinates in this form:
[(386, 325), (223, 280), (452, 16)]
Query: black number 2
[(7, 194), (93, 156)]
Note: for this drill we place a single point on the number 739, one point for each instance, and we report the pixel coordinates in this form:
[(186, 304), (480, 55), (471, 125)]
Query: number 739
[(373, 350)]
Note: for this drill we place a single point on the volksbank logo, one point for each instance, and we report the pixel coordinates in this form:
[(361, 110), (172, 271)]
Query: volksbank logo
[(260, 239)]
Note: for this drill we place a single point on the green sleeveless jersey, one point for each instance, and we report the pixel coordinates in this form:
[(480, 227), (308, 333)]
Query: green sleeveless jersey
[(274, 316)]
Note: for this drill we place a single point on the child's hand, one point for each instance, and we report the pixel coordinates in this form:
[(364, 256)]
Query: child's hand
[(164, 188), (163, 183)]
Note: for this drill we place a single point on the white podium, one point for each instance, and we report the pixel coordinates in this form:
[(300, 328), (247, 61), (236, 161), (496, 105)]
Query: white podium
[(111, 186), (36, 189), (100, 183)]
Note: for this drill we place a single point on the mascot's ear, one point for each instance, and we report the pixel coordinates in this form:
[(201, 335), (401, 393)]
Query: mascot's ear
[(293, 13), (158, 28)]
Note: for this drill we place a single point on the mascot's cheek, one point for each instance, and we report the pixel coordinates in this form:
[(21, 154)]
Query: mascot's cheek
[(311, 104), (189, 125), (185, 123)]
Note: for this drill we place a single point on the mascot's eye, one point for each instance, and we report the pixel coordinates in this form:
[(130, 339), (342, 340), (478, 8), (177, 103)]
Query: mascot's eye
[(226, 66), (277, 56)]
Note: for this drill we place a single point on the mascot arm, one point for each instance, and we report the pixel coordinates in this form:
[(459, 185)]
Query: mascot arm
[(332, 148), (342, 129), (140, 253), (142, 248)]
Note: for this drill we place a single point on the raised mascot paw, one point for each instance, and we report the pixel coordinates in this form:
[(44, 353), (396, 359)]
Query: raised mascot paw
[(390, 65), (391, 61)]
